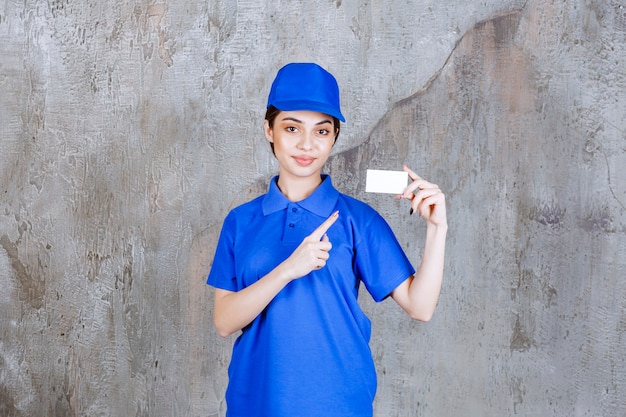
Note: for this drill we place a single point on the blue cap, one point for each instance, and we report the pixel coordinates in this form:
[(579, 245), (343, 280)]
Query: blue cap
[(305, 86)]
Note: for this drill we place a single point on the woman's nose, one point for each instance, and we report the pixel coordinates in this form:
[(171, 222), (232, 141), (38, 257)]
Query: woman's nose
[(306, 141)]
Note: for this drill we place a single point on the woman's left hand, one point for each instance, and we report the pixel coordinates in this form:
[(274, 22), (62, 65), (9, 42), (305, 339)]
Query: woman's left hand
[(426, 199)]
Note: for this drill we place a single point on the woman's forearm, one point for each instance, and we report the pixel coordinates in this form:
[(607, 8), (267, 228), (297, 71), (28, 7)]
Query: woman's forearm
[(235, 310), (419, 294), (426, 285)]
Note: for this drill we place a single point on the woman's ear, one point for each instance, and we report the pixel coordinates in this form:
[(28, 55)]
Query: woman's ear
[(269, 133)]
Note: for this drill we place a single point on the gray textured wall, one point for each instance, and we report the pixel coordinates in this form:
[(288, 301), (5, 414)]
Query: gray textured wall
[(128, 129)]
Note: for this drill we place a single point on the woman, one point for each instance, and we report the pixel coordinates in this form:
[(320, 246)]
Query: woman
[(288, 267)]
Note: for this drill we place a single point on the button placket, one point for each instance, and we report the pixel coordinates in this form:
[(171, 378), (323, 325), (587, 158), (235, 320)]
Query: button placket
[(292, 220)]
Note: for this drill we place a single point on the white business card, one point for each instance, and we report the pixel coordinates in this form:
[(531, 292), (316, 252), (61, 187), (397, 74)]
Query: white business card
[(381, 181)]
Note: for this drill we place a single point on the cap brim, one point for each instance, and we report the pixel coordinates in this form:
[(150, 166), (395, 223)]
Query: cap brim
[(297, 105)]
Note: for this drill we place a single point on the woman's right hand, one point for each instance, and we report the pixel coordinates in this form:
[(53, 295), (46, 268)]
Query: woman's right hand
[(312, 253)]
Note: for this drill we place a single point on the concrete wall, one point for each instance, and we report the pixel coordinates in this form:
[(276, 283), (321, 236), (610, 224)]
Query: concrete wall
[(129, 129)]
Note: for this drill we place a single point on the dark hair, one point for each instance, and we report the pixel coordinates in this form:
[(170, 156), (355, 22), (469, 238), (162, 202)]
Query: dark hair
[(272, 112)]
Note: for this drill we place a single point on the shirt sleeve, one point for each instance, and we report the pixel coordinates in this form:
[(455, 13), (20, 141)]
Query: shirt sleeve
[(222, 274), (380, 261)]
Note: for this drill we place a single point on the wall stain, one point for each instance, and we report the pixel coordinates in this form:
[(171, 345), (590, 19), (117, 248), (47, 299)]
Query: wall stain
[(592, 148), (532, 287), (156, 12), (520, 341), (599, 219), (32, 291), (7, 405), (95, 262), (518, 391), (146, 20), (548, 214)]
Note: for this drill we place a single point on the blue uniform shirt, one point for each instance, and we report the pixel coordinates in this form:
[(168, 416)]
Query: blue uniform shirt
[(307, 353)]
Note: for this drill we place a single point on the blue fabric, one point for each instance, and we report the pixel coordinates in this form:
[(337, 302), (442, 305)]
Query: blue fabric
[(307, 353), (305, 86)]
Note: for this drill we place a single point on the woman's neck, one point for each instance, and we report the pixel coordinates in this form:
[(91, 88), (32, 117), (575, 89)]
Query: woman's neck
[(298, 188)]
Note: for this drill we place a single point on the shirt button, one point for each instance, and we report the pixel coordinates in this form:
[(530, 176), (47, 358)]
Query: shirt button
[(294, 209), (291, 225)]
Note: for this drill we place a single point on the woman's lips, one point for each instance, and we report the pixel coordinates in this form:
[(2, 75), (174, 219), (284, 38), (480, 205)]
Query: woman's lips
[(304, 160)]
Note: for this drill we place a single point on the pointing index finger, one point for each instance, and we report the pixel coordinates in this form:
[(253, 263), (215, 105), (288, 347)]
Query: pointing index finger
[(322, 228)]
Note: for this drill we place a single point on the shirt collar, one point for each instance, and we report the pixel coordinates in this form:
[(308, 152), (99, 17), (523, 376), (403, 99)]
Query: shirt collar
[(321, 202)]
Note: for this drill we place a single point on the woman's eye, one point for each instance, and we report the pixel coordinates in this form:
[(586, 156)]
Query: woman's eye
[(291, 129), (323, 132)]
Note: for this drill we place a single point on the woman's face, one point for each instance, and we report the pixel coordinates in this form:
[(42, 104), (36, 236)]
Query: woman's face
[(302, 142)]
